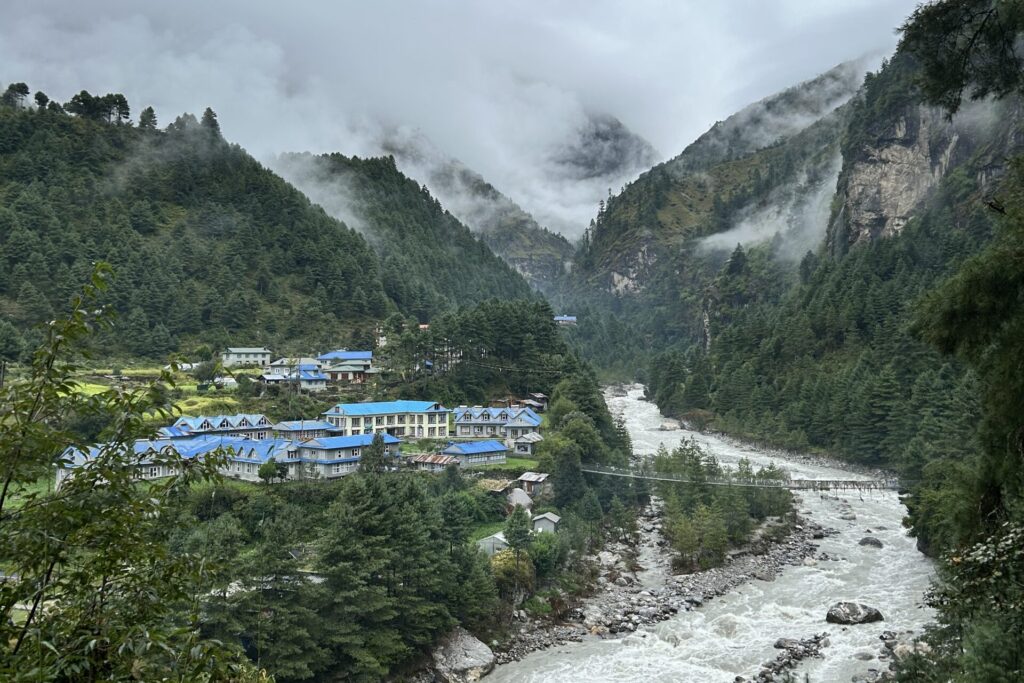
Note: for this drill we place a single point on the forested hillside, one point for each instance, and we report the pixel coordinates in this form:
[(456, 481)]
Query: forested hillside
[(804, 335), (207, 245), (540, 255), (429, 260)]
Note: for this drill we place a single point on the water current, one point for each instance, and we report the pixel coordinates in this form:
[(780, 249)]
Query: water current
[(734, 634)]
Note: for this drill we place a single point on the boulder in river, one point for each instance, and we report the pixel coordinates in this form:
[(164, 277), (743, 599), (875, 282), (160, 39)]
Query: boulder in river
[(669, 425), (871, 541), (852, 613), (462, 658)]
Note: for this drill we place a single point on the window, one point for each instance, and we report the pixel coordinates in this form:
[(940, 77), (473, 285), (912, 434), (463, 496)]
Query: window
[(391, 419), (401, 419), (355, 453), (419, 419), (431, 431), (336, 469), (356, 422), (441, 431), (379, 421), (432, 419), (154, 471), (340, 422)]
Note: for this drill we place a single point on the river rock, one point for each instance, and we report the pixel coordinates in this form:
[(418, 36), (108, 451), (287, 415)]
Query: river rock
[(849, 517), (852, 613), (871, 541), (462, 658)]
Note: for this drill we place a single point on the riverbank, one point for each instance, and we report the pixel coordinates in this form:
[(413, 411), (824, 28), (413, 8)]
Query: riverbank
[(636, 586)]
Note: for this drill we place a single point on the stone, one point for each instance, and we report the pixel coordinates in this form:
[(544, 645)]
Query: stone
[(787, 644), (462, 658), (810, 562), (852, 613), (870, 541), (849, 517)]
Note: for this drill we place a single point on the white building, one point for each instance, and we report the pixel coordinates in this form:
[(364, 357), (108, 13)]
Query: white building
[(416, 419), (237, 356)]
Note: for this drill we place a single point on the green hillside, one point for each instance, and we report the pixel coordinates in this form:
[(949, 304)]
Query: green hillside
[(429, 259)]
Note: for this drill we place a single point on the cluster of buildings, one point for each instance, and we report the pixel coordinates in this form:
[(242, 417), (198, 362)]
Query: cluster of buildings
[(330, 446), (309, 374)]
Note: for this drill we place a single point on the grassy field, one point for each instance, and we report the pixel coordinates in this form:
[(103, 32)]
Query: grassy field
[(19, 492), (514, 464), (485, 530)]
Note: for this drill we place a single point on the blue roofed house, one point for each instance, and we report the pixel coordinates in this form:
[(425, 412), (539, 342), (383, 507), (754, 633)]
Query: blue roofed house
[(416, 419), (310, 378), (336, 456), (471, 453), (565, 320), (250, 426), (347, 366), (505, 423)]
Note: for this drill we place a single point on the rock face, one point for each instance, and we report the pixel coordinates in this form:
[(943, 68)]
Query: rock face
[(462, 658), (893, 174), (871, 541), (852, 613)]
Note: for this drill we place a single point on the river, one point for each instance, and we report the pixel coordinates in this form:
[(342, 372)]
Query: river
[(734, 634)]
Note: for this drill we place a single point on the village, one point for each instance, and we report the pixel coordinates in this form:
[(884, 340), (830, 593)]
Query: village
[(416, 435)]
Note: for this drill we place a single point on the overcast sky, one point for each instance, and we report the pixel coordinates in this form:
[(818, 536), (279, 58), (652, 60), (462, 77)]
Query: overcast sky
[(497, 84)]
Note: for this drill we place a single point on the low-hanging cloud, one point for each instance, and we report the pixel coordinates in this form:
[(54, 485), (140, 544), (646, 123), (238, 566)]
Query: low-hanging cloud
[(506, 88), (796, 214)]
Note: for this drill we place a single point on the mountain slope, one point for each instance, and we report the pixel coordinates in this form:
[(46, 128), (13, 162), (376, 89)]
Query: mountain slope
[(430, 260), (206, 243), (513, 234)]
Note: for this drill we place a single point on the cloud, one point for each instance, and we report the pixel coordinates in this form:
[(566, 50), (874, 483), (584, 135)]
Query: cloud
[(503, 87), (795, 214)]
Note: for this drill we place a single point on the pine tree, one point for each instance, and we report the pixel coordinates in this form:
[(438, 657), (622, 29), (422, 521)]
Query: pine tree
[(517, 531)]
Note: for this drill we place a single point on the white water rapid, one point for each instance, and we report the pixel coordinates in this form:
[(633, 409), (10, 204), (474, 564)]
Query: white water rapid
[(733, 635)]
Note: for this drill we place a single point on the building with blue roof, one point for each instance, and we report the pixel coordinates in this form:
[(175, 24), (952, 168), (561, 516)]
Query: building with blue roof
[(325, 457), (565, 320), (345, 355), (416, 419), (470, 453), (251, 426), (506, 423)]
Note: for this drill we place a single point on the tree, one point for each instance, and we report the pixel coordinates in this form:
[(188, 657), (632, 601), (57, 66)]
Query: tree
[(210, 125), (147, 119), (128, 607), (271, 470), (41, 99), (966, 45), (371, 460), (15, 95), (517, 531)]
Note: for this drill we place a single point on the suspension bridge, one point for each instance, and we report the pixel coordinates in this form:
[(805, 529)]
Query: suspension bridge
[(761, 483)]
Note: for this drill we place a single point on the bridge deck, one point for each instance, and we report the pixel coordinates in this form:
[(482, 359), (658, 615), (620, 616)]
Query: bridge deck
[(801, 484)]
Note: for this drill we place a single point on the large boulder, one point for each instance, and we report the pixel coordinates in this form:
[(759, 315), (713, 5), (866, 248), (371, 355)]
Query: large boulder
[(871, 541), (462, 658), (852, 613)]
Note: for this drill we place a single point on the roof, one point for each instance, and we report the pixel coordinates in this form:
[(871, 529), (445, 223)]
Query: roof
[(536, 477), (475, 447), (348, 366), (245, 450), (273, 377), (530, 437), (330, 443), (500, 536), (549, 515), (344, 354), (537, 394), (218, 422), (247, 349), (435, 459), (533, 404), (301, 425), (386, 407), (523, 417), (292, 361), (519, 497), (312, 376), (565, 318)]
